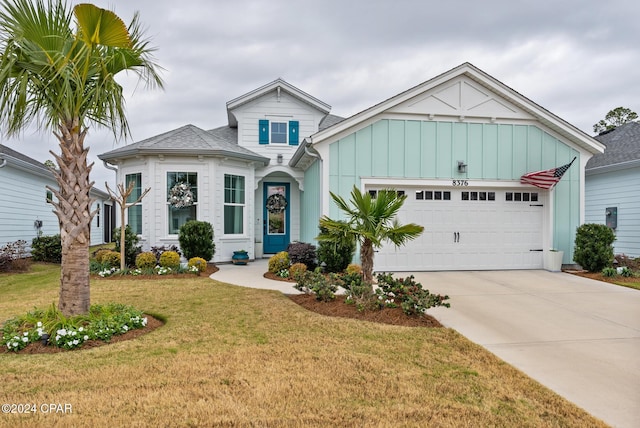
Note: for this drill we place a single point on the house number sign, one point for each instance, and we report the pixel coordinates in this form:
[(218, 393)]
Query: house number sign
[(460, 183)]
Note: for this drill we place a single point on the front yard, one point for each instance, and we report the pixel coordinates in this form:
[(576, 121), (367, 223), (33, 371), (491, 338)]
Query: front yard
[(236, 356)]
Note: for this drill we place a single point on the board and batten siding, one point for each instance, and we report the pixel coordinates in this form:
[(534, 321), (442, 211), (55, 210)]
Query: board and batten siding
[(421, 149), (616, 189), (310, 204)]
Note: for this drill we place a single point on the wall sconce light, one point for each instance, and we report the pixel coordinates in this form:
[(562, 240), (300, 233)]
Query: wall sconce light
[(279, 158), (462, 167)]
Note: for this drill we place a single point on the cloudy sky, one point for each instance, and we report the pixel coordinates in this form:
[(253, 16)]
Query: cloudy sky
[(576, 58)]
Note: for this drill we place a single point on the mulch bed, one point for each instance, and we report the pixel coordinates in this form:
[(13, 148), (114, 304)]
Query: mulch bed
[(599, 277)]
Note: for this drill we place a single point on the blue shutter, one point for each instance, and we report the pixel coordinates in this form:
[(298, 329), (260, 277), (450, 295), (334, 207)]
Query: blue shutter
[(263, 133), (293, 133)]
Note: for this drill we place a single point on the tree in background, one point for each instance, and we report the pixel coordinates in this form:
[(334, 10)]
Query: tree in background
[(63, 79), (371, 222), (616, 117)]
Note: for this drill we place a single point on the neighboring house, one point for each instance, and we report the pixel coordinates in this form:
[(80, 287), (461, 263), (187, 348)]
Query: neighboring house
[(456, 145), (24, 210), (613, 187)]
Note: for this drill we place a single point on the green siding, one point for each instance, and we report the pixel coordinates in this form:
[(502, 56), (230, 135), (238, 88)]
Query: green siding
[(427, 149), (310, 200)]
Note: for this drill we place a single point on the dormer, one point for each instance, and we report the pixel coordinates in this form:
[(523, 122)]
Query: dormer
[(275, 116)]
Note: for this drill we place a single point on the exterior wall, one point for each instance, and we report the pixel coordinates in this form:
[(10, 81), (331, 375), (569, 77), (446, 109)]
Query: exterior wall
[(24, 203), (616, 189), (210, 205), (420, 149), (310, 207)]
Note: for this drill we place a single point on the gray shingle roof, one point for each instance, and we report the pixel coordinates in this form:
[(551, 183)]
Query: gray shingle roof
[(189, 140), (4, 150), (622, 146), (329, 120)]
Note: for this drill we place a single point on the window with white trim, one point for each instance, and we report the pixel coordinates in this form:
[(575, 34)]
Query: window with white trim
[(134, 212), (279, 132), (234, 204), (185, 186)]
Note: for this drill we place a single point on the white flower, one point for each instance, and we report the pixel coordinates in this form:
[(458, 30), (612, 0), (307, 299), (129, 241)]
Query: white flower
[(62, 332), (25, 339), (39, 324), (75, 342), (86, 337), (81, 329)]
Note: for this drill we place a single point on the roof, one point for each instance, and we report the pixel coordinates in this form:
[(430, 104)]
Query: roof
[(6, 152), (329, 120), (622, 148), (276, 85), (189, 140), (545, 117)]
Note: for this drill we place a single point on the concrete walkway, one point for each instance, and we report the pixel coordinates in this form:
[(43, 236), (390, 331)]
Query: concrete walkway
[(578, 337)]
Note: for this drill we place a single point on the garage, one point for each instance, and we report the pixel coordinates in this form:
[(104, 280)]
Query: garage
[(468, 229)]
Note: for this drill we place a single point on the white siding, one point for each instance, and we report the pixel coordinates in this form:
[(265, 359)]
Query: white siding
[(616, 189)]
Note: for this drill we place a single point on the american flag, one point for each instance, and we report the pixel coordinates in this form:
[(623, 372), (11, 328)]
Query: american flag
[(546, 179)]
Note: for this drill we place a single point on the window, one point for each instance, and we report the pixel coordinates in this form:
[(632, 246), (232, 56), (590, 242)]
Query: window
[(134, 213), (478, 196), (98, 214), (179, 216), (521, 197), (49, 196), (234, 202), (279, 132)]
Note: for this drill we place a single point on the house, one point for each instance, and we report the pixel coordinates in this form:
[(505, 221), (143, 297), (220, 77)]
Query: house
[(24, 211), (612, 186), (456, 145)]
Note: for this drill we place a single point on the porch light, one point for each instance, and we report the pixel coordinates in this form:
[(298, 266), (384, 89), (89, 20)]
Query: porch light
[(462, 167), (279, 158)]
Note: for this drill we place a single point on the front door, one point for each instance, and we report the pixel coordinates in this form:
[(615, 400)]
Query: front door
[(276, 217)]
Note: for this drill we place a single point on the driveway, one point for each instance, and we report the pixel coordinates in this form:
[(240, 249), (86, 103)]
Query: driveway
[(578, 337)]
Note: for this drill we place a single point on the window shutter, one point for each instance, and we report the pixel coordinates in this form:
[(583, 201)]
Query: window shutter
[(263, 133), (293, 133)]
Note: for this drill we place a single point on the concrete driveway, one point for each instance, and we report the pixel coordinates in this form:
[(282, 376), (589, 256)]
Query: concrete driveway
[(578, 337)]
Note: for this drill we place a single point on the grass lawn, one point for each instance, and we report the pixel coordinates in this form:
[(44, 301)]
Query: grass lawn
[(233, 356)]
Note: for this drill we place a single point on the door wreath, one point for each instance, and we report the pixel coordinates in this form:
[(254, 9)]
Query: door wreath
[(276, 203), (181, 196)]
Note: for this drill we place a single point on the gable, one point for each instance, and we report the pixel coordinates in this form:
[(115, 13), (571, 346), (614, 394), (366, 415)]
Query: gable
[(461, 97)]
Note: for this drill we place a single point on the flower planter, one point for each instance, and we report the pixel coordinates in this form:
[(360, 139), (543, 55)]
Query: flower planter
[(240, 258), (553, 261)]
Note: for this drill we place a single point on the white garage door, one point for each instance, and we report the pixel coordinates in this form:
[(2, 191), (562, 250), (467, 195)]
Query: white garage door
[(467, 229)]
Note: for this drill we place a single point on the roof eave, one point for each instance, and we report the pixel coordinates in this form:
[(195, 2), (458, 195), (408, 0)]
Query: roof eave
[(182, 152)]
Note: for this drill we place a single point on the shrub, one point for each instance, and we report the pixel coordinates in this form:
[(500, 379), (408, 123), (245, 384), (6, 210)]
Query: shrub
[(413, 299), (358, 291), (609, 272), (296, 270), (317, 283), (111, 259), (278, 262), (146, 260), (353, 268), (157, 251), (131, 248), (99, 254), (196, 239), (170, 259), (301, 252), (626, 272), (337, 252), (13, 256), (593, 247), (630, 262), (198, 262), (47, 249)]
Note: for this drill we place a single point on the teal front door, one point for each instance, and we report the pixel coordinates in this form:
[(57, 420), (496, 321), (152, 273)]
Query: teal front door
[(276, 217)]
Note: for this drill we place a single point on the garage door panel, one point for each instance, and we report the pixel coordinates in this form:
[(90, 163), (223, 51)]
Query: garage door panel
[(484, 229)]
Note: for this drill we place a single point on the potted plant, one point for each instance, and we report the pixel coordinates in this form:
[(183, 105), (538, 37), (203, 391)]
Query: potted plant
[(240, 257)]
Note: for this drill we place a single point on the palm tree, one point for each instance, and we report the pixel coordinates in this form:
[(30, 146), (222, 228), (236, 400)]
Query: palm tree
[(371, 222), (65, 81)]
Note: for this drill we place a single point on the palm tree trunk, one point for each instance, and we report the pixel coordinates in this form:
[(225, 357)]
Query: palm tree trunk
[(366, 257), (73, 210)]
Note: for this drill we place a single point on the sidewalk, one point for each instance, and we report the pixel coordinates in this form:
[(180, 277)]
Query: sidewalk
[(251, 275)]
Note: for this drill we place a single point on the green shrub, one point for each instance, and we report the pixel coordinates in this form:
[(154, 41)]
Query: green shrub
[(296, 270), (99, 255), (413, 299), (146, 260), (609, 272), (301, 252), (47, 249), (131, 248), (315, 282), (278, 262), (358, 291), (198, 262), (111, 259), (593, 247), (196, 239), (626, 272), (337, 252), (170, 259)]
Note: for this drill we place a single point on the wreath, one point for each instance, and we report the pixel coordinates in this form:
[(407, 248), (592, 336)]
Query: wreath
[(181, 196), (276, 203)]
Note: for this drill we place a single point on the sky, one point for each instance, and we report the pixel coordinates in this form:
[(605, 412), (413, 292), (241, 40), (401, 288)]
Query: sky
[(578, 59)]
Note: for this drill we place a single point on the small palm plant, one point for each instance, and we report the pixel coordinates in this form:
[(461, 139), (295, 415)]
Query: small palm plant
[(372, 222)]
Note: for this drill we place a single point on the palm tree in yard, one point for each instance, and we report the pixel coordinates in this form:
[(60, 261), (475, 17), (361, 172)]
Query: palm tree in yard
[(371, 222), (63, 79)]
